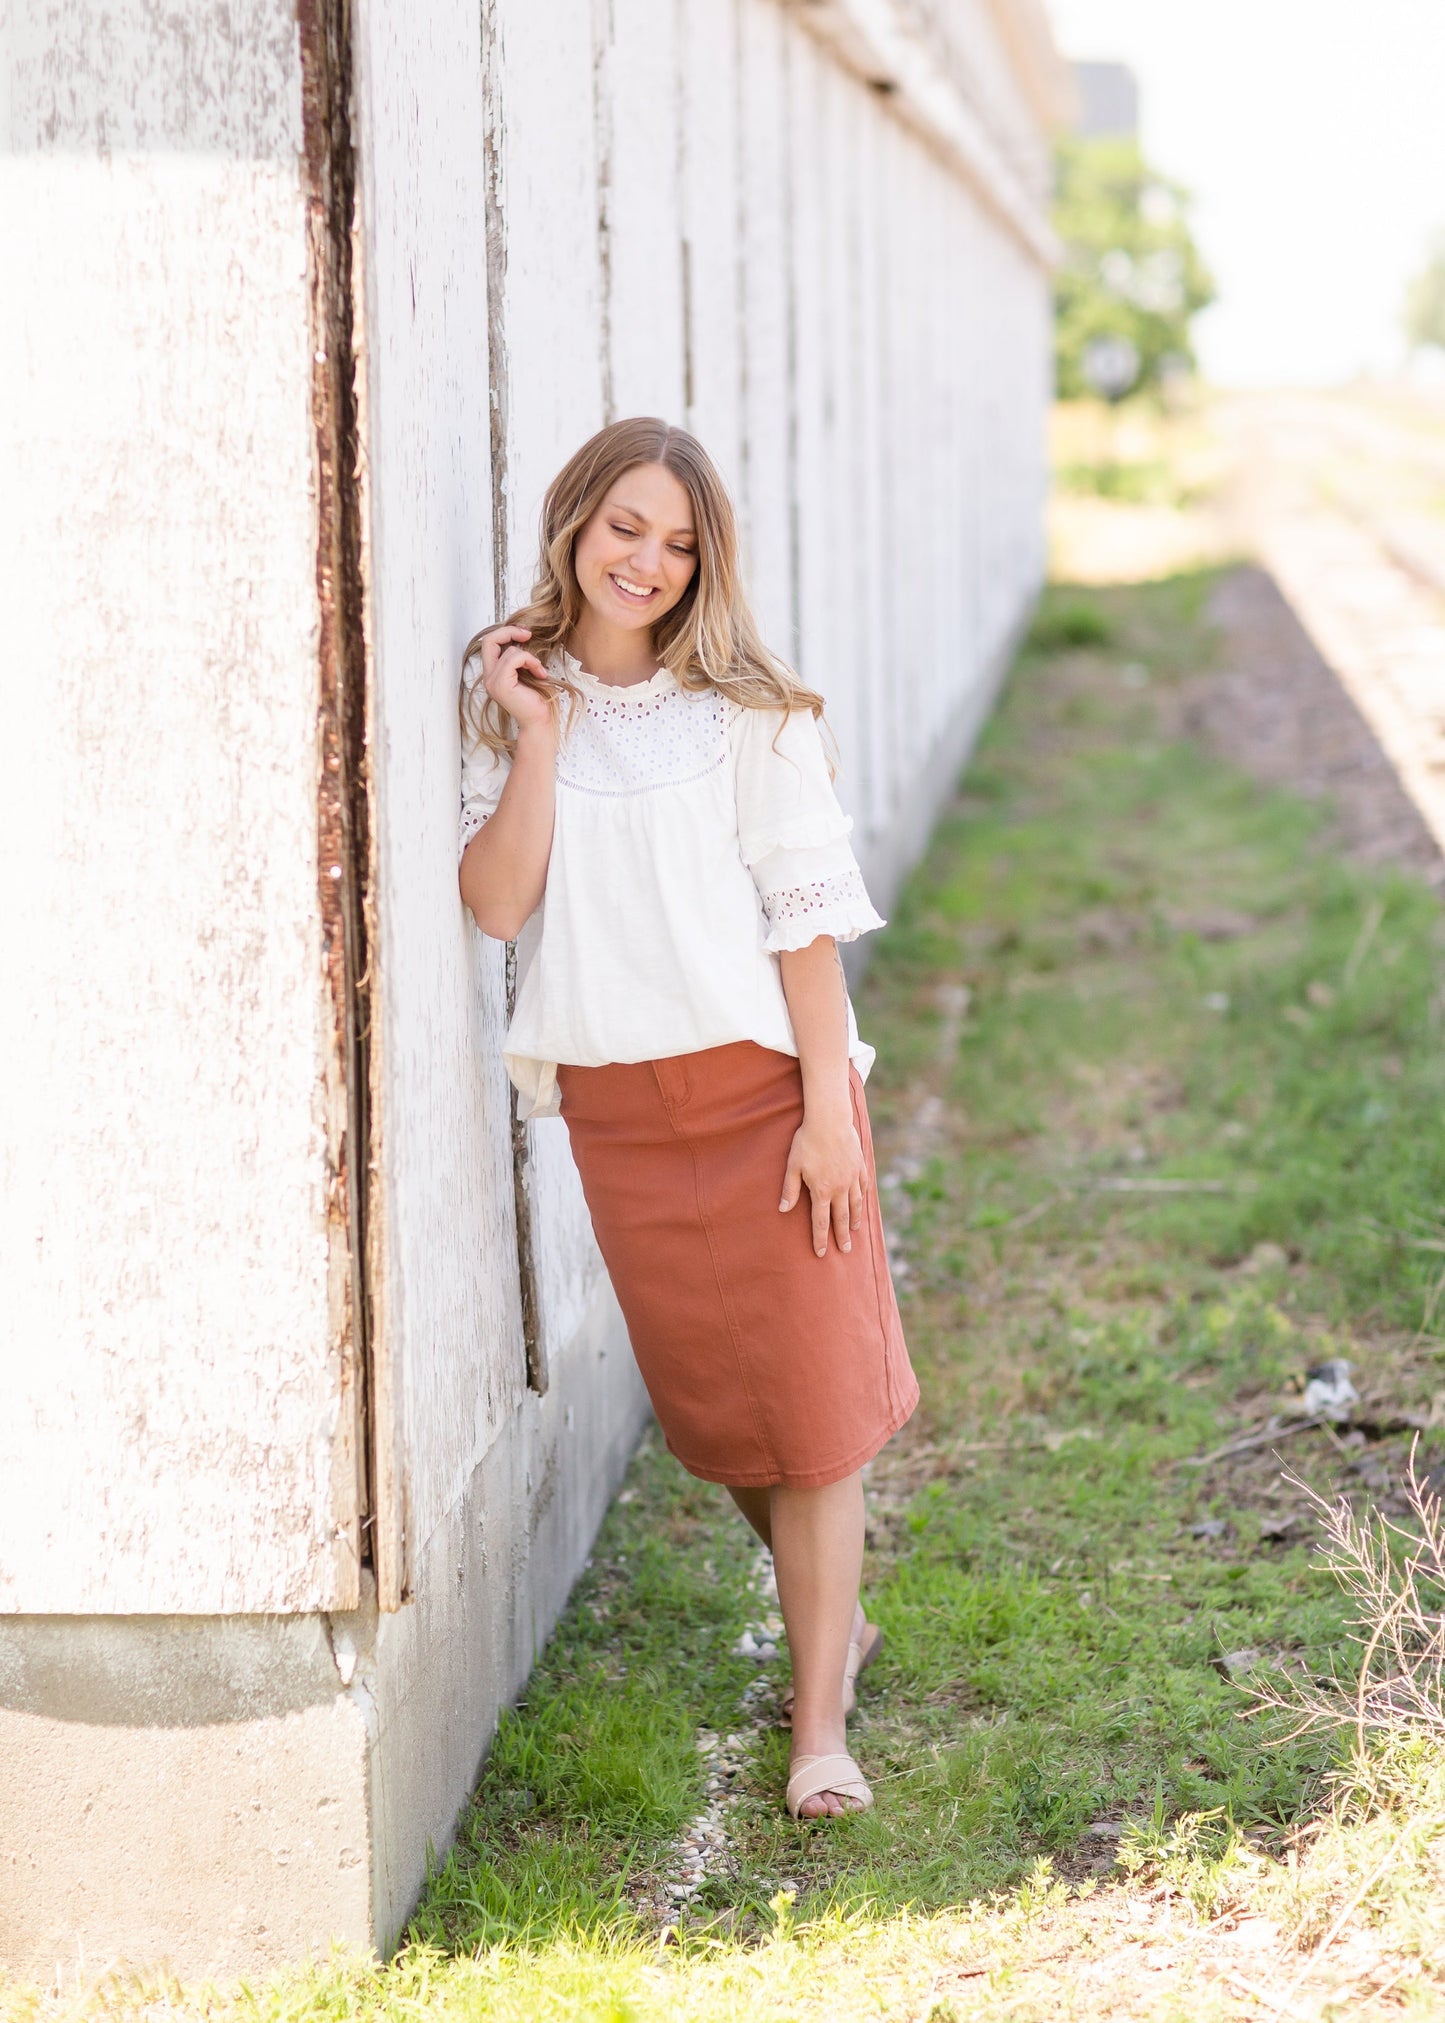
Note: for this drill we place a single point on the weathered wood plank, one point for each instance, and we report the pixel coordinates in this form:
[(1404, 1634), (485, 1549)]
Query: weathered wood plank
[(446, 1296), (554, 146), (708, 196), (639, 60), (762, 188), (172, 1400), (819, 523)]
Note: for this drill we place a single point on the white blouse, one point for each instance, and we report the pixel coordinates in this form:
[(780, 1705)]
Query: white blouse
[(686, 853)]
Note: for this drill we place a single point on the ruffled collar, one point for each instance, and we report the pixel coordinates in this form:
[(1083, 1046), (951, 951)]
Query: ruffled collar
[(595, 686)]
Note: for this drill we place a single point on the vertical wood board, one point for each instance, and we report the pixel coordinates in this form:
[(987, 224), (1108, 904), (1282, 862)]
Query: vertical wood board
[(175, 1435), (553, 318), (449, 1366), (767, 488), (708, 200), (645, 307)]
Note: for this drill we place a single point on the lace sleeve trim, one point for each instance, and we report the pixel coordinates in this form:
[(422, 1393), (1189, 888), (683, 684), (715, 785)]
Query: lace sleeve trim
[(472, 820), (838, 906)]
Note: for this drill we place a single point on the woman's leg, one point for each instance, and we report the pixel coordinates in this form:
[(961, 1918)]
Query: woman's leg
[(756, 1506), (817, 1542)]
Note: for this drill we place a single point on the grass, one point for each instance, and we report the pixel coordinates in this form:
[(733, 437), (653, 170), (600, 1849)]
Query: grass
[(1153, 1064), (1147, 483)]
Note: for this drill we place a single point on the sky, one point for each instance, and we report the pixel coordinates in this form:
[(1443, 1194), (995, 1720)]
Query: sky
[(1312, 133)]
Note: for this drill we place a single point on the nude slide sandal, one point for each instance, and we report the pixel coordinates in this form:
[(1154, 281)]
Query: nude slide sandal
[(812, 1774)]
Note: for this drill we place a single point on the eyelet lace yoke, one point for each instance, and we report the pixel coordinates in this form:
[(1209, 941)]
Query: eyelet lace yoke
[(636, 740)]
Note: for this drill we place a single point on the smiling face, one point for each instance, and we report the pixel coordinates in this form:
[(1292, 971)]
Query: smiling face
[(637, 554)]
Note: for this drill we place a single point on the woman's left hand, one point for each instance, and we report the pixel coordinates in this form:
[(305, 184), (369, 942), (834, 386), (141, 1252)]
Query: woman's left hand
[(827, 1156)]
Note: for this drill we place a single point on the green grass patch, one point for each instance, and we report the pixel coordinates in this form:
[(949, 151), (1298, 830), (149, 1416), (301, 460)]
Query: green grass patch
[(1071, 622)]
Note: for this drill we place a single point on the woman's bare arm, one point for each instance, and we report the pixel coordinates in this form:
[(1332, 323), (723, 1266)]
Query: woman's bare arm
[(504, 867), (826, 1153)]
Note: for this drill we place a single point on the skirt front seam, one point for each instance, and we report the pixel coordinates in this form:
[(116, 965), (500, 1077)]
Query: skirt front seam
[(726, 1305), (881, 1275)]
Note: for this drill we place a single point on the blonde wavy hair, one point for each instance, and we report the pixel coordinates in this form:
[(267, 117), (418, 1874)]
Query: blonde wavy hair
[(709, 639)]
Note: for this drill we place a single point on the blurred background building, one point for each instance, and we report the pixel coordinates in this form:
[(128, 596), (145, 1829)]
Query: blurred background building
[(313, 1389), (1108, 101)]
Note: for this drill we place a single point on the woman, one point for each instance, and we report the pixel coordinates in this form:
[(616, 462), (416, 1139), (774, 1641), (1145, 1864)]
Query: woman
[(648, 811)]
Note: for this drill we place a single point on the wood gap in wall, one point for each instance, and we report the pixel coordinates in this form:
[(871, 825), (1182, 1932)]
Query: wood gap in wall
[(498, 374), (344, 830), (602, 37), (679, 114), (790, 299), (740, 244), (687, 359)]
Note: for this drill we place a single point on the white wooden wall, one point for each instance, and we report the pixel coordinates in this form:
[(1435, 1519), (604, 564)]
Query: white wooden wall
[(698, 208), (176, 1428)]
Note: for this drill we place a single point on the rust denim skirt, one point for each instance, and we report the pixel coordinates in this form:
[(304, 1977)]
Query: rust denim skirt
[(766, 1364)]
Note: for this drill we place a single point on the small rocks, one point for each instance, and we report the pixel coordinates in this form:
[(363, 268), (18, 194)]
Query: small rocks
[(1264, 1257), (1235, 1664), (1253, 1934), (1211, 1527), (1329, 1394), (702, 1848)]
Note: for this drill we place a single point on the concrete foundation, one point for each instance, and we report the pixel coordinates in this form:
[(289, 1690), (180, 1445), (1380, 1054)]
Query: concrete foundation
[(220, 1795)]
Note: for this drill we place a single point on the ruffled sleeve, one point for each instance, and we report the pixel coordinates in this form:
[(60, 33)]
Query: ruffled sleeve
[(484, 774), (793, 833)]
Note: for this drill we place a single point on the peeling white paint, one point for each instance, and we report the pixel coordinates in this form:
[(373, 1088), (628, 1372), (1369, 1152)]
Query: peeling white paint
[(448, 1313), (168, 1405)]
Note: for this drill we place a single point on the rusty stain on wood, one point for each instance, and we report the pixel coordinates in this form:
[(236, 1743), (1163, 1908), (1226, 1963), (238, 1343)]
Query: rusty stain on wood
[(343, 817)]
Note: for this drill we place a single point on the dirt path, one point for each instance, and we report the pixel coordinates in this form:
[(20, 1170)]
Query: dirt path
[(1274, 707)]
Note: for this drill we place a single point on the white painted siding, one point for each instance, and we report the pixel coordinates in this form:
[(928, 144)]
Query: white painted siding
[(710, 202), (638, 61), (447, 1369), (176, 1427), (700, 209), (552, 122), (764, 257)]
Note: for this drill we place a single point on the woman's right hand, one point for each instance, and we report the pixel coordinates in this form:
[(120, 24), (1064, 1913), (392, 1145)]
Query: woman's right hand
[(504, 660)]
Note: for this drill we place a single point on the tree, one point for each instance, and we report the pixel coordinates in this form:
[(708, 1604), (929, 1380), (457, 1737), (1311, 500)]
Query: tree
[(1425, 302), (1132, 278)]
